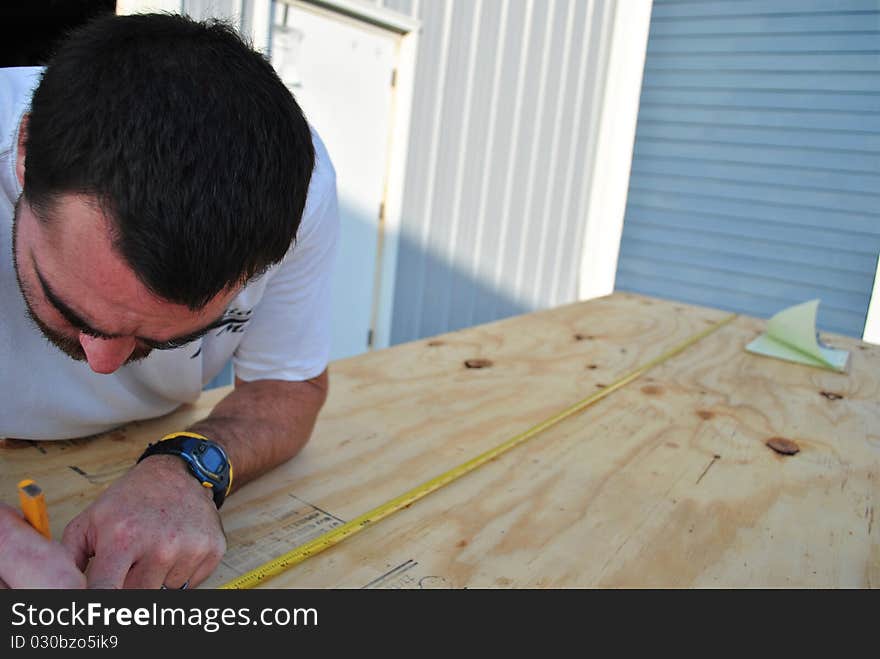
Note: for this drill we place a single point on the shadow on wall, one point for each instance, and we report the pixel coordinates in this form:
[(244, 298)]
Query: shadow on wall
[(432, 294)]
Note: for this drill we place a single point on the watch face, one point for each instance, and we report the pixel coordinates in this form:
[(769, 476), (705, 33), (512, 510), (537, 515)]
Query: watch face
[(212, 460)]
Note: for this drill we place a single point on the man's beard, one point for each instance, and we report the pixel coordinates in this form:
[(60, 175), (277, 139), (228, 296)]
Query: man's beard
[(70, 347)]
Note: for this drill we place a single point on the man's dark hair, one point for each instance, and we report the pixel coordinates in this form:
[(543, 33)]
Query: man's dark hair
[(195, 149)]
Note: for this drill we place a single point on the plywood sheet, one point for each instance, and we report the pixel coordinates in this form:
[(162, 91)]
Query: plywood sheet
[(667, 482)]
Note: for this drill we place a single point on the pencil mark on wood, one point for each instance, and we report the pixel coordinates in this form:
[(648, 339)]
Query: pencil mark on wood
[(432, 582), (434, 344), (101, 477), (393, 572), (715, 458), (584, 337), (830, 395), (478, 363), (320, 510)]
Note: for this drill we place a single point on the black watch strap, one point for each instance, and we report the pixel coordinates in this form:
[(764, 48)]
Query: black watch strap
[(206, 460)]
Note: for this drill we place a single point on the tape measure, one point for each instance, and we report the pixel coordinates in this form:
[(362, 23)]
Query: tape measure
[(336, 535)]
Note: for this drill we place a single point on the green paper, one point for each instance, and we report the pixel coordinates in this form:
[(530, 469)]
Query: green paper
[(791, 335)]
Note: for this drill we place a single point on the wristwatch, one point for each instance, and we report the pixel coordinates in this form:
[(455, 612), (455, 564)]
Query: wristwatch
[(205, 459)]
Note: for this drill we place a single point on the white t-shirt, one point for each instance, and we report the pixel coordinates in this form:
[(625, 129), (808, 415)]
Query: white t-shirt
[(279, 324)]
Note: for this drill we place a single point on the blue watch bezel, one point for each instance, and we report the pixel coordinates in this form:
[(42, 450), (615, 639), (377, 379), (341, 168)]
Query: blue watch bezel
[(189, 448)]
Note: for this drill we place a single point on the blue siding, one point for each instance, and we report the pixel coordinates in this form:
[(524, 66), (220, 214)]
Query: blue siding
[(756, 168)]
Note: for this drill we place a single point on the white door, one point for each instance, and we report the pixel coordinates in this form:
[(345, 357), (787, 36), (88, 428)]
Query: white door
[(340, 71)]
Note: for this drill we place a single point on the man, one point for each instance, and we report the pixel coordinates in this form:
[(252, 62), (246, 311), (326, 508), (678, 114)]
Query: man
[(165, 207)]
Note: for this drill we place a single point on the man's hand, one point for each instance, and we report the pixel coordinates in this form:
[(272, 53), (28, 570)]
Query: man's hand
[(28, 560), (155, 526)]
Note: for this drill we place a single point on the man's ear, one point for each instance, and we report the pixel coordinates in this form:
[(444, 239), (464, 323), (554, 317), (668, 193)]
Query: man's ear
[(20, 155)]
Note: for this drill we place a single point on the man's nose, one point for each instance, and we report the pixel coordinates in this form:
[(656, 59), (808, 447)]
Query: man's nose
[(106, 355)]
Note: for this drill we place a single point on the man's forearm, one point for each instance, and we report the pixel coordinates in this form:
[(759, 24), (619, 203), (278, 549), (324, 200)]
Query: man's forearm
[(264, 423)]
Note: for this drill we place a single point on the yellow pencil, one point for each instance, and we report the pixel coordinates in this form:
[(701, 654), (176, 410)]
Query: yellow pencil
[(33, 505)]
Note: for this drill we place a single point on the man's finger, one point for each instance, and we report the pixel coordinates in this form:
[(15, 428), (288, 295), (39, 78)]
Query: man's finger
[(17, 543), (183, 573), (108, 570), (146, 573), (28, 560), (76, 540)]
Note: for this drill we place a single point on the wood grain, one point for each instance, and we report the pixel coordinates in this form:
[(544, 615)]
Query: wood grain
[(667, 482)]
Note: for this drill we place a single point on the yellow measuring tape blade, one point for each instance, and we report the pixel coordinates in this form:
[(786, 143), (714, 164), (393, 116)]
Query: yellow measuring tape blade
[(334, 536)]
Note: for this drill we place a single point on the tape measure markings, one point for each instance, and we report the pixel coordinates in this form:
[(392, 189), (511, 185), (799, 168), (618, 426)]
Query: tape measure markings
[(336, 535)]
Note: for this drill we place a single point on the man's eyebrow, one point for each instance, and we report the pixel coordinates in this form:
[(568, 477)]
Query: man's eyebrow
[(69, 314), (74, 319)]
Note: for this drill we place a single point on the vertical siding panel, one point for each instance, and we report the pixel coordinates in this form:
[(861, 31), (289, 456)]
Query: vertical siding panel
[(493, 221), (497, 159), (475, 162), (536, 178), (455, 256), (575, 125), (414, 224), (541, 221), (517, 186), (430, 230), (571, 247), (451, 118)]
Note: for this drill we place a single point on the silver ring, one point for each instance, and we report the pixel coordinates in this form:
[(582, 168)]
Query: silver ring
[(183, 587)]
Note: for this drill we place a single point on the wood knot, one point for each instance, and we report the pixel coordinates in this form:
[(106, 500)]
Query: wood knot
[(461, 543), (705, 415), (592, 367), (830, 395), (783, 446), (652, 390), (478, 363)]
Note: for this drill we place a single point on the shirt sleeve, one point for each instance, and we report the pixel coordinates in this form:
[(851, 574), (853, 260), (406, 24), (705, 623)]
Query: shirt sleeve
[(289, 335)]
